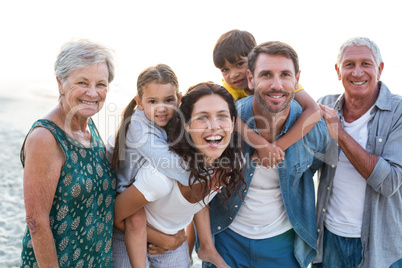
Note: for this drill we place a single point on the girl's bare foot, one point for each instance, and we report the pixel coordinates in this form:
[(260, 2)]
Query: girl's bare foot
[(213, 257)]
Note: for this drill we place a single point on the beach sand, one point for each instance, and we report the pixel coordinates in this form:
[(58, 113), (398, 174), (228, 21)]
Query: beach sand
[(11, 197), (18, 111)]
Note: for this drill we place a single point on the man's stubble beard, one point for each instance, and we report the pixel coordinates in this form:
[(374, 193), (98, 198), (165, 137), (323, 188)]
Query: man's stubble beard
[(262, 103)]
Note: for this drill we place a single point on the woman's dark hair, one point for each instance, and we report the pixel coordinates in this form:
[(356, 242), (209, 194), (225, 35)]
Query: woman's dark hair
[(160, 73), (228, 168)]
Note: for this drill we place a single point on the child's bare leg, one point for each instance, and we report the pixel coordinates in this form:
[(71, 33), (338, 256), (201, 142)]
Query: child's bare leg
[(207, 251), (135, 237)]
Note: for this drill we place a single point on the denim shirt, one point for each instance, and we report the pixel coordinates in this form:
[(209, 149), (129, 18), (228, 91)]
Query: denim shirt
[(296, 182), (381, 233)]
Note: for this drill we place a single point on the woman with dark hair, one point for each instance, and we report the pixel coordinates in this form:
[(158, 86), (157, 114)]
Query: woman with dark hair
[(204, 139), (200, 149)]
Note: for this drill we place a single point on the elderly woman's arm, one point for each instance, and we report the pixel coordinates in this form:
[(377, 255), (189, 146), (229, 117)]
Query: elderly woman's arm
[(43, 161)]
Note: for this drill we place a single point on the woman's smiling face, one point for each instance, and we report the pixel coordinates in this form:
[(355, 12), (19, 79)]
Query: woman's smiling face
[(84, 91), (210, 126)]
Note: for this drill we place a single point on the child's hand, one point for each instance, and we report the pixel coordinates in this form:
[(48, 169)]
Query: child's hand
[(268, 156)]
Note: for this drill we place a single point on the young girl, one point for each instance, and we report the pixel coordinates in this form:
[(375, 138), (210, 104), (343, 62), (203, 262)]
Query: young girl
[(202, 140), (142, 141)]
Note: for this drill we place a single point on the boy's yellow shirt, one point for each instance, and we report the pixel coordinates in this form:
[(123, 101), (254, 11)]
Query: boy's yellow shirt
[(239, 94)]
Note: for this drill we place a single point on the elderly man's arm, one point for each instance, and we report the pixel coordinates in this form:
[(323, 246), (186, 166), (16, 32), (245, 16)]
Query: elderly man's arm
[(382, 172), (363, 161)]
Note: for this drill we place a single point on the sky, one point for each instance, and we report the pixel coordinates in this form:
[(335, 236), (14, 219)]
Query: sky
[(182, 34)]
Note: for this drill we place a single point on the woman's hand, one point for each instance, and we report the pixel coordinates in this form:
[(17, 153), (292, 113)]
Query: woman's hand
[(179, 238), (164, 241), (155, 250)]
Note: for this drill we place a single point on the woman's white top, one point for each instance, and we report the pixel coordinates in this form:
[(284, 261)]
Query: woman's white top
[(168, 212)]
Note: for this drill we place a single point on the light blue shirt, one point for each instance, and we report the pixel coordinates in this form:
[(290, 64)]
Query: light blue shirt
[(296, 182), (381, 233), (146, 144)]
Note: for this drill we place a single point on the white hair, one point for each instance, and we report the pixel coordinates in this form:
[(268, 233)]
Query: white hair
[(79, 54), (360, 41)]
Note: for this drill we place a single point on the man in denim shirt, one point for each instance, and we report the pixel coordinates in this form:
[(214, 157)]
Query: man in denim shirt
[(359, 209), (274, 225)]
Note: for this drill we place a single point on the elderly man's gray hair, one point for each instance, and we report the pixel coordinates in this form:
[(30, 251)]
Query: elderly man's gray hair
[(360, 41)]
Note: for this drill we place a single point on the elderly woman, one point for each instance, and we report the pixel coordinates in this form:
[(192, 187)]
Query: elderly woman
[(69, 187)]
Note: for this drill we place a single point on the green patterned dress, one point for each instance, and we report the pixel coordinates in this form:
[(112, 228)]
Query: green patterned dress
[(81, 217)]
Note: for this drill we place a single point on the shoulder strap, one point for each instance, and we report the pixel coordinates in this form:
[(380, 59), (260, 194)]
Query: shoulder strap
[(57, 132), (96, 138)]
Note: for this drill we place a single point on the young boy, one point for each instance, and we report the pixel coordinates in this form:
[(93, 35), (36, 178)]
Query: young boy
[(230, 57)]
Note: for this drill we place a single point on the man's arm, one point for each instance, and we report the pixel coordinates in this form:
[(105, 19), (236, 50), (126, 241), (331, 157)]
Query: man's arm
[(306, 121), (382, 170), (267, 154), (363, 161)]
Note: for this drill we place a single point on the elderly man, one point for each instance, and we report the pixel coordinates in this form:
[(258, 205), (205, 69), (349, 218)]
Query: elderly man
[(272, 222), (359, 209)]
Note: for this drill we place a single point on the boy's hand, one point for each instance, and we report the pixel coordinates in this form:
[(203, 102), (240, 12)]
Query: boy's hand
[(268, 156)]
